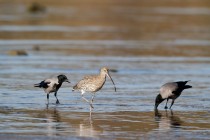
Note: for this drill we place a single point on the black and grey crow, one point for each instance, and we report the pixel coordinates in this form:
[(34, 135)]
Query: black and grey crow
[(52, 85), (171, 91)]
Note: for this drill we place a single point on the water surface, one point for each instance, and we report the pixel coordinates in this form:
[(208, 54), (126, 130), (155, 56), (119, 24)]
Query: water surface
[(127, 113)]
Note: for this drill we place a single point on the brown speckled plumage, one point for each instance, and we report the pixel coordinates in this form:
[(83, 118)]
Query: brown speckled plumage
[(93, 83)]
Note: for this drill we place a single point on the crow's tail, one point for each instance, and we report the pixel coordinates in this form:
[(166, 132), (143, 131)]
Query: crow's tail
[(37, 85), (187, 86)]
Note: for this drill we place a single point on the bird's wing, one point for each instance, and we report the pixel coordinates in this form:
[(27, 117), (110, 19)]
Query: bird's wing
[(89, 77), (43, 84), (87, 80), (52, 82), (51, 85), (168, 89)]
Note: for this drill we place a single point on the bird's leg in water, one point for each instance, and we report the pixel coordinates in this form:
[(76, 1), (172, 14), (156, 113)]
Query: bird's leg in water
[(172, 103), (87, 101), (93, 96), (47, 99), (166, 104), (57, 101), (82, 93)]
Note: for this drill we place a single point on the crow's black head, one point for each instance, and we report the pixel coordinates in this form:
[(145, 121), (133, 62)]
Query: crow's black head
[(158, 100), (63, 78)]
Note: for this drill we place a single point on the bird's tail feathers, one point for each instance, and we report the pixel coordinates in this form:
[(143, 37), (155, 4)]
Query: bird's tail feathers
[(187, 86), (37, 85), (183, 84)]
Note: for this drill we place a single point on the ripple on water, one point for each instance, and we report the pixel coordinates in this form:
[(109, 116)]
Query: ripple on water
[(125, 113)]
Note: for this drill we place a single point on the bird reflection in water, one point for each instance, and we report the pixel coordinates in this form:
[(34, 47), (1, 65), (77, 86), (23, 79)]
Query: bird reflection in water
[(53, 121), (168, 121), (87, 128)]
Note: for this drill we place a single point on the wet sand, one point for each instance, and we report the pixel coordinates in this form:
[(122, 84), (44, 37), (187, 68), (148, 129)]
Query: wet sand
[(121, 125)]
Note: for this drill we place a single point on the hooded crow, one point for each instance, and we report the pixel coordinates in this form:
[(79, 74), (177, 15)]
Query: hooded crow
[(171, 91), (52, 85)]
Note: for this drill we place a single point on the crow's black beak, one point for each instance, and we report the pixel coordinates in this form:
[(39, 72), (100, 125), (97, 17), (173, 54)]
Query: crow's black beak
[(67, 81)]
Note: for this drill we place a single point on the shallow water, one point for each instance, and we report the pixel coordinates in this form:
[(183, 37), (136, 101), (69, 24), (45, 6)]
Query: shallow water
[(127, 113)]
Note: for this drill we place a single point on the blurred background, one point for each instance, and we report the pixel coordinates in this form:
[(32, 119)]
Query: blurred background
[(119, 27)]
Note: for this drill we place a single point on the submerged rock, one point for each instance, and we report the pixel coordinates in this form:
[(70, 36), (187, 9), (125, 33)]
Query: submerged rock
[(36, 8), (36, 48), (17, 53)]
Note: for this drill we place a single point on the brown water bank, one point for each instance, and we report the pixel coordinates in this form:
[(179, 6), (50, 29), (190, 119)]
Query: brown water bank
[(138, 20)]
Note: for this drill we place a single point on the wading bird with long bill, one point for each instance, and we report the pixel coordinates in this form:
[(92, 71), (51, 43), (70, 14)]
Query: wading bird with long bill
[(92, 84)]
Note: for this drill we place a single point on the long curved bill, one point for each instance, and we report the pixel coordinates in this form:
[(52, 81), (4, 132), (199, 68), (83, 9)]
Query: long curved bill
[(112, 81)]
